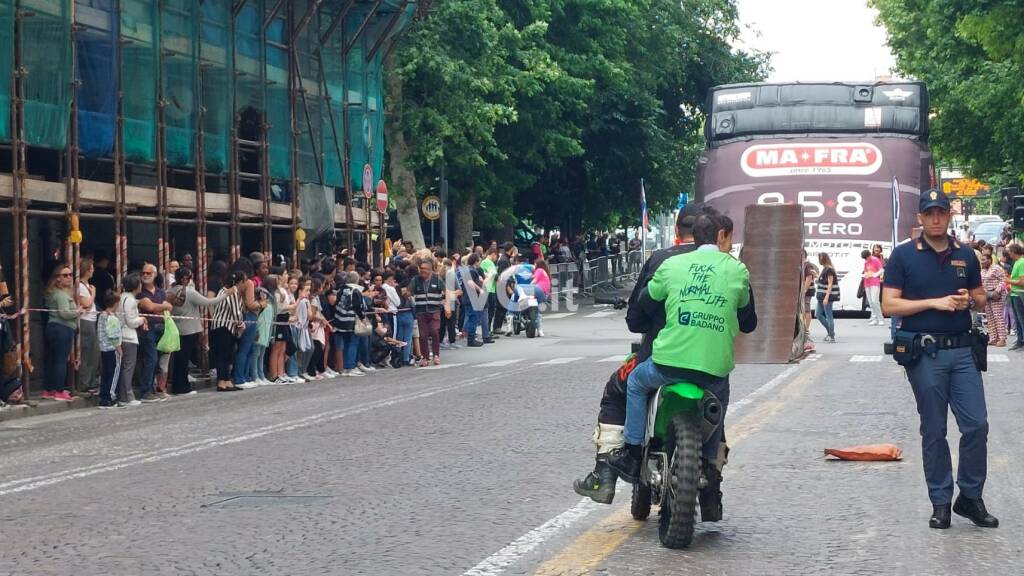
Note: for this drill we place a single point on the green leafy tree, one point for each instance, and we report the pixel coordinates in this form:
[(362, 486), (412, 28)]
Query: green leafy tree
[(970, 53)]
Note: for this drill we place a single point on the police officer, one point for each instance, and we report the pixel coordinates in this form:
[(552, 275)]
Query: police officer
[(932, 283)]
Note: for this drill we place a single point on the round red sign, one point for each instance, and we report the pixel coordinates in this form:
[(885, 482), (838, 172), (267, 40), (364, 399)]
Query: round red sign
[(382, 197)]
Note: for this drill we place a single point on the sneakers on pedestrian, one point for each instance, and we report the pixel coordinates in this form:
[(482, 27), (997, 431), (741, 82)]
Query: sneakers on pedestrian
[(475, 344), (47, 395), (150, 398), (107, 405), (540, 333), (331, 373), (446, 346), (246, 385), (63, 396), (366, 368), (131, 403), (355, 372)]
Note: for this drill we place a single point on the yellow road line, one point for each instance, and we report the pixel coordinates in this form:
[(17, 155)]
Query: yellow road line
[(591, 548)]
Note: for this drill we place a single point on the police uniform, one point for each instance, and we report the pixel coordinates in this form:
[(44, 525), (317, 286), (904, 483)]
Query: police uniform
[(946, 375)]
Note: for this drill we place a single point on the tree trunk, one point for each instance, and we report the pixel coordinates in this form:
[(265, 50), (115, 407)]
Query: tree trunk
[(403, 181), (464, 220)]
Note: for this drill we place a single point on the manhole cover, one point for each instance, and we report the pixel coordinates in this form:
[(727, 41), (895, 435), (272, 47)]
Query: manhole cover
[(244, 500)]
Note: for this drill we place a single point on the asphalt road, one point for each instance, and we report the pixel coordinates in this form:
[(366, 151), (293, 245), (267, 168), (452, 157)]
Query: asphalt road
[(468, 469)]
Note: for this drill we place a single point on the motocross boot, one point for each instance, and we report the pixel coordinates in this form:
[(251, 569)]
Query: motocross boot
[(710, 496), (625, 461), (599, 485)]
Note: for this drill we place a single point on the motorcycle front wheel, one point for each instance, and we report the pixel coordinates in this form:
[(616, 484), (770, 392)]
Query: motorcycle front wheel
[(680, 496)]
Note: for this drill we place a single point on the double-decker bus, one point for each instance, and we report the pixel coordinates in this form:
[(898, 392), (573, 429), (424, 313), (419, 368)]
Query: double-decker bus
[(855, 156)]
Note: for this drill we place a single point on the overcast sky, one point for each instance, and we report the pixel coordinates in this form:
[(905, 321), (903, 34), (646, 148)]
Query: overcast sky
[(817, 39)]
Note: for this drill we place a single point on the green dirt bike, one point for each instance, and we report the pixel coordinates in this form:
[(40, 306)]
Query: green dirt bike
[(673, 470)]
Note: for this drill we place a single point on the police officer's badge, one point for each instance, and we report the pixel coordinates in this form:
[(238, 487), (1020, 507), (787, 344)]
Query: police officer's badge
[(961, 268)]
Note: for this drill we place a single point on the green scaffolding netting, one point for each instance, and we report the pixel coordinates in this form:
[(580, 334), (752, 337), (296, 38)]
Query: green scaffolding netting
[(46, 56), (178, 39), (6, 64), (140, 44), (334, 122), (355, 97), (308, 109), (279, 133), (216, 82)]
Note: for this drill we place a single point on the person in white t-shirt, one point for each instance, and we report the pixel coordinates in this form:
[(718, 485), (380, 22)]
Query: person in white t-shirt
[(89, 354)]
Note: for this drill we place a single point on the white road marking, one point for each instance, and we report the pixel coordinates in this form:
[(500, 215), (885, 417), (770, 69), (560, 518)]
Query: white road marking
[(557, 361), (36, 482), (860, 358), (496, 563), (998, 358), (601, 314), (557, 316), (499, 363), (509, 555), (443, 366), (616, 358)]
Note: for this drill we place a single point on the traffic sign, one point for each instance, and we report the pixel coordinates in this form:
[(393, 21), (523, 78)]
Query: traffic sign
[(368, 181), (382, 197), (431, 208), (963, 187)]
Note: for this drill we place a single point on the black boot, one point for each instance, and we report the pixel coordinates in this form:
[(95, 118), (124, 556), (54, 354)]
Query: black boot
[(599, 485), (974, 510), (940, 517), (710, 497), (625, 462)]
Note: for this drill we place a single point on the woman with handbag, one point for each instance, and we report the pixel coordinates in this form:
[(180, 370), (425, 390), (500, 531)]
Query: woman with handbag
[(993, 279), (283, 345)]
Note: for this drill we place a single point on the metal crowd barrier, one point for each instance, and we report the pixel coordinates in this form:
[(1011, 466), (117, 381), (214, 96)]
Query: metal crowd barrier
[(609, 271)]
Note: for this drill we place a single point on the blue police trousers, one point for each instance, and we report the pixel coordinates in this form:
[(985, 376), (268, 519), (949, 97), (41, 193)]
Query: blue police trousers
[(951, 380)]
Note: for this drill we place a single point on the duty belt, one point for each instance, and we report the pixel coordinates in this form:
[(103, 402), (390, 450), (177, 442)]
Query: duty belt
[(947, 341)]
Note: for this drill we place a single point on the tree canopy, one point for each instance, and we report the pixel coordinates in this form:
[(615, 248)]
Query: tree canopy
[(553, 110), (970, 53)]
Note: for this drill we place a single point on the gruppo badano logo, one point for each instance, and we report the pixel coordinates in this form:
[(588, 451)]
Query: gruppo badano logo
[(856, 158)]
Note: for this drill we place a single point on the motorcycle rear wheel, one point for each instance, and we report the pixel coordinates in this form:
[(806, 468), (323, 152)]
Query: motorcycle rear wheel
[(675, 530), (640, 506), (531, 323)]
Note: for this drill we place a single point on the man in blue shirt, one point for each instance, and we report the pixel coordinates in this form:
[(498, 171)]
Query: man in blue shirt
[(932, 283)]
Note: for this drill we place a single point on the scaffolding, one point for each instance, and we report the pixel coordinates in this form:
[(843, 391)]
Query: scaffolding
[(245, 120)]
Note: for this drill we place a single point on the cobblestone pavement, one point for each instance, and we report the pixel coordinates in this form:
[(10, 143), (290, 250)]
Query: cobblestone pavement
[(788, 510), (469, 467)]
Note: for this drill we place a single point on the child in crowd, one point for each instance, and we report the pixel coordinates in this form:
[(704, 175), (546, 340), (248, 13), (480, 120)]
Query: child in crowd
[(109, 334)]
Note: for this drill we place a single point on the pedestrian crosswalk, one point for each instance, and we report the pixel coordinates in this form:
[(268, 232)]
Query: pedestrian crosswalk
[(861, 358), (558, 316), (601, 314), (557, 361), (499, 363), (616, 358)]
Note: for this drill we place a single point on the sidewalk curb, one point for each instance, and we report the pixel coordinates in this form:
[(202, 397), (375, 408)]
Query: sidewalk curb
[(39, 407)]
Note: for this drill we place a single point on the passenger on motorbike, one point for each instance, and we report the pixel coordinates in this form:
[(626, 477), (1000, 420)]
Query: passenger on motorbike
[(705, 293), (599, 484)]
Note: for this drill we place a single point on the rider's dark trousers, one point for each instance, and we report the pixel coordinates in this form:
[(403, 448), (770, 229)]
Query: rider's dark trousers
[(645, 379)]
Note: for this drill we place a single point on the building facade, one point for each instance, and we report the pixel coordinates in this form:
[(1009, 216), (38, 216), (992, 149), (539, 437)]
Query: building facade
[(143, 129)]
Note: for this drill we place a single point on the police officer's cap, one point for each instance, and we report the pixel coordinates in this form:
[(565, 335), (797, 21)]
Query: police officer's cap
[(933, 199)]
